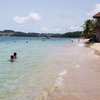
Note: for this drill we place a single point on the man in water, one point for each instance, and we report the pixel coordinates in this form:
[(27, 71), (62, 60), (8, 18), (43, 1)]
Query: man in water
[(15, 55)]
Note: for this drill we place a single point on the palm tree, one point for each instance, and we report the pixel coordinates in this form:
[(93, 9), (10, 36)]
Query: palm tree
[(89, 28)]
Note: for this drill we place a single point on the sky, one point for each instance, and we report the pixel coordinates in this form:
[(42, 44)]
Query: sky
[(50, 16)]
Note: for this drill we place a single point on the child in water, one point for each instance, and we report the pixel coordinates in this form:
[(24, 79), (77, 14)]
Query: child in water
[(12, 58)]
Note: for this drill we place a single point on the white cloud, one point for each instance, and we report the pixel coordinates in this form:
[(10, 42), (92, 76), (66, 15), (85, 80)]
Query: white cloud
[(73, 28), (29, 18), (50, 29), (44, 29), (58, 29), (95, 10)]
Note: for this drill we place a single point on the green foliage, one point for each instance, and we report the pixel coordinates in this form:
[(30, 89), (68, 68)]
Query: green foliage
[(89, 28), (26, 34), (76, 34), (8, 31)]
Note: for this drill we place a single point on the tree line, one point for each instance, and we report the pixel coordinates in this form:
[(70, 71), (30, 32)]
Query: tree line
[(75, 34), (89, 31)]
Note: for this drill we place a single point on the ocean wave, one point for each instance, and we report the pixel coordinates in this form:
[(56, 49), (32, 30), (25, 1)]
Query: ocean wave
[(60, 79), (58, 83), (81, 45)]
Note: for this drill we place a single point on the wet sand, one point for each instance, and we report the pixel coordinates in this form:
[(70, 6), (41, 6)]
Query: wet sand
[(96, 46), (82, 82)]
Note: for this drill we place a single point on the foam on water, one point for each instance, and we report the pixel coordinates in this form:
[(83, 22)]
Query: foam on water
[(81, 45), (59, 81), (63, 73)]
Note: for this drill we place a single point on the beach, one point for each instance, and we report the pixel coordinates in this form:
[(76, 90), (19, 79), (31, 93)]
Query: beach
[(54, 69), (82, 80), (96, 46)]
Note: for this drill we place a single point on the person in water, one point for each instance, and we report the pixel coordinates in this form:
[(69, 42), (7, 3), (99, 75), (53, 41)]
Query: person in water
[(15, 55), (12, 58)]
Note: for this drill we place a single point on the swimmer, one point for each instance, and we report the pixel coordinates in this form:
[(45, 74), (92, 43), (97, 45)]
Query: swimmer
[(26, 41), (15, 55), (11, 58)]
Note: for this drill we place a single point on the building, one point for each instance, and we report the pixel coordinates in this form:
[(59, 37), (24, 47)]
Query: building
[(97, 18)]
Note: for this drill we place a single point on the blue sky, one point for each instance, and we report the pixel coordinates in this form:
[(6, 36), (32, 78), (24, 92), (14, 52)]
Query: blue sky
[(57, 16)]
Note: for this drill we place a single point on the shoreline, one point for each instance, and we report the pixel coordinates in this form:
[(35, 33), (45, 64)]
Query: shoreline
[(96, 47), (82, 82)]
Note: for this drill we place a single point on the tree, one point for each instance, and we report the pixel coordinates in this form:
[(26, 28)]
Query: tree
[(89, 29)]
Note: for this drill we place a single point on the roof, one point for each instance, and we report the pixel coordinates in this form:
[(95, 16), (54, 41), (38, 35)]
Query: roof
[(97, 15)]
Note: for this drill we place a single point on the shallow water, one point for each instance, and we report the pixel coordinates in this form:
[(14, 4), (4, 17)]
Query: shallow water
[(36, 68)]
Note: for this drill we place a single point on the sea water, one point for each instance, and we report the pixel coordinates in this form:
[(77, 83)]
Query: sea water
[(35, 70)]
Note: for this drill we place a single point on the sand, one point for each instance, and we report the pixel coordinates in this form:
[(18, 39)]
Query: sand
[(82, 82), (96, 46)]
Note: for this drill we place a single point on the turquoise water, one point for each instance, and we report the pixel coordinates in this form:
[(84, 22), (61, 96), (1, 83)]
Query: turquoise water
[(34, 70)]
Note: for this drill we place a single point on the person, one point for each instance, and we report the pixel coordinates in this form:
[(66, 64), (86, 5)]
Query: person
[(15, 55), (26, 41), (78, 39), (72, 40), (11, 58)]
